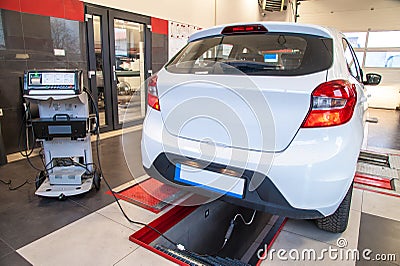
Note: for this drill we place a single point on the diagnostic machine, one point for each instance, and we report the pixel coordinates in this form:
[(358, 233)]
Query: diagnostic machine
[(63, 128)]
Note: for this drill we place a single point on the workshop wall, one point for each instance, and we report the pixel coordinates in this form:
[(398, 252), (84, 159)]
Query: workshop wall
[(357, 15), (200, 13), (29, 33), (159, 43), (228, 11)]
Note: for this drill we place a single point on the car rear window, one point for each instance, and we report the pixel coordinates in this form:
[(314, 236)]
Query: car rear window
[(278, 54)]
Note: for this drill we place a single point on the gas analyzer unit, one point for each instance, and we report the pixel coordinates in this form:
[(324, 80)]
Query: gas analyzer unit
[(64, 130)]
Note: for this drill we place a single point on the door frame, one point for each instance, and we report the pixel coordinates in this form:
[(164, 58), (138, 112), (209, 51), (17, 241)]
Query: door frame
[(117, 14), (108, 52), (94, 10)]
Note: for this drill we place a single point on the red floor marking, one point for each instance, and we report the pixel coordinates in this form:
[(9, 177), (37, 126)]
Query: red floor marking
[(147, 194), (379, 192), (162, 224), (373, 181), (272, 241)]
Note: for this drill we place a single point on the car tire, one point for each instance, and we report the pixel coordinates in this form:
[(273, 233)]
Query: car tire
[(337, 222)]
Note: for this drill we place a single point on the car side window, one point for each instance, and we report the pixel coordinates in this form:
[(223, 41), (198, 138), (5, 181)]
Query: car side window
[(351, 60)]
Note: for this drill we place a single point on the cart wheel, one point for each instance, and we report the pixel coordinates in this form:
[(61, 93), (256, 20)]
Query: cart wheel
[(40, 177), (96, 180), (62, 197)]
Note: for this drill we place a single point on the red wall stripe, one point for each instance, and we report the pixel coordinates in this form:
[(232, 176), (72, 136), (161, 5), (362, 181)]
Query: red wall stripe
[(159, 26), (10, 5), (74, 10), (54, 8), (68, 9)]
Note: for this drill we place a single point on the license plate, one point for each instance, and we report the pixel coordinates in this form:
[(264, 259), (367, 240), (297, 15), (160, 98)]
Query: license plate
[(217, 182)]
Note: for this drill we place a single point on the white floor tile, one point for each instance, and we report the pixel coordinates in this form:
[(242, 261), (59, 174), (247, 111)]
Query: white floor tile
[(142, 256), (289, 241), (92, 240), (356, 200), (310, 230), (134, 212), (381, 205)]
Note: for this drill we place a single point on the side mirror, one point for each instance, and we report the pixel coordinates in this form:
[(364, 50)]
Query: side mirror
[(373, 79)]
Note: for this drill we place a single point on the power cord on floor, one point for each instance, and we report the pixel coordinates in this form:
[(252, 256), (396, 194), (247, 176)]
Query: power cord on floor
[(9, 183), (97, 132)]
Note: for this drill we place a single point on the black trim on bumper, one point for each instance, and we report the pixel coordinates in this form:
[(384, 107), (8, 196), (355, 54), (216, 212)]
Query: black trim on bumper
[(265, 198)]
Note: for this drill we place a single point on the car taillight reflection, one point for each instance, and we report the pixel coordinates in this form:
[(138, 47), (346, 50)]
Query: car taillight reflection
[(152, 93)]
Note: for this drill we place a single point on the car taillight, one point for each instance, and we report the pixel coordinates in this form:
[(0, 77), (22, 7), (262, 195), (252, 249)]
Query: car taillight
[(254, 28), (333, 104), (152, 93)]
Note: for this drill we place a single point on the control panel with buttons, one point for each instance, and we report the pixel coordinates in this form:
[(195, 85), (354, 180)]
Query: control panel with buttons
[(52, 82)]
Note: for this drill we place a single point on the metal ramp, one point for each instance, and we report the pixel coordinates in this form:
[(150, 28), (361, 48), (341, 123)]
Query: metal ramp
[(378, 170), (374, 158)]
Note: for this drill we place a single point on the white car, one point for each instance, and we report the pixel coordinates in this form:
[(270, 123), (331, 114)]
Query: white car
[(268, 116)]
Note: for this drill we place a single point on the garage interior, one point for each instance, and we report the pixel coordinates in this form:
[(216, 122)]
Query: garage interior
[(90, 229)]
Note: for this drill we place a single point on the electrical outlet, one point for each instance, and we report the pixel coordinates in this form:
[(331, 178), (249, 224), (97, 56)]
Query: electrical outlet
[(1, 111)]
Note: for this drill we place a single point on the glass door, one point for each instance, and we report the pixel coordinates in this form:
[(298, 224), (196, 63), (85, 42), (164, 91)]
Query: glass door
[(129, 42), (99, 64), (119, 57)]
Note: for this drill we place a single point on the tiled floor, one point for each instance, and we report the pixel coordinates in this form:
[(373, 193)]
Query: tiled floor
[(384, 134), (90, 230), (369, 227)]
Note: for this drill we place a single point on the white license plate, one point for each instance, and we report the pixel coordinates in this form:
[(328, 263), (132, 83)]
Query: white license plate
[(217, 182)]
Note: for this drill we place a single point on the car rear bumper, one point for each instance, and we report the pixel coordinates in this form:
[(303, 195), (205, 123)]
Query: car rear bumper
[(265, 198), (307, 180)]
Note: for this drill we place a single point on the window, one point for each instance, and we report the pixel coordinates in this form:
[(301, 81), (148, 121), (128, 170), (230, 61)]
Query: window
[(356, 39), (255, 54), (219, 52), (351, 60), (2, 42), (383, 48), (381, 39), (382, 59), (360, 57)]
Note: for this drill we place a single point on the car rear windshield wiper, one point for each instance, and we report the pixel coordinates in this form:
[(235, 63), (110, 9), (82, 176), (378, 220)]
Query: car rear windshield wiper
[(251, 65)]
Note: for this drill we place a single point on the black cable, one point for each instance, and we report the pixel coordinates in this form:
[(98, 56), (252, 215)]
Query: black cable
[(25, 119), (96, 129), (9, 183), (17, 187), (32, 165), (232, 224), (27, 152), (6, 182), (108, 185)]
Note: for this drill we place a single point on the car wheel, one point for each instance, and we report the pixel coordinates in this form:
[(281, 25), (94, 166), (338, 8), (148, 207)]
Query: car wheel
[(96, 180), (337, 222)]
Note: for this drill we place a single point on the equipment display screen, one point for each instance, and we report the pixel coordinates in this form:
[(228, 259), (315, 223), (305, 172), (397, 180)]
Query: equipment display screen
[(53, 82), (52, 78), (54, 130)]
